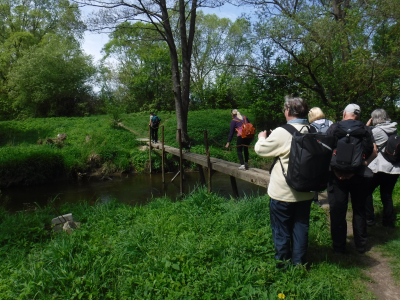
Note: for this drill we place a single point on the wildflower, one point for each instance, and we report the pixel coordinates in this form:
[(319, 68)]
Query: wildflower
[(281, 296)]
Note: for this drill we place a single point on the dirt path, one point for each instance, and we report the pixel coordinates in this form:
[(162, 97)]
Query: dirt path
[(377, 266)]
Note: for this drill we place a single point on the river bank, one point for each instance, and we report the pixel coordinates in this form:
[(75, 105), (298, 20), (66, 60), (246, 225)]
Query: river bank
[(95, 145)]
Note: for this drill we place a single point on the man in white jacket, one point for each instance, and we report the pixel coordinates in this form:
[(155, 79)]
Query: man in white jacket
[(289, 209)]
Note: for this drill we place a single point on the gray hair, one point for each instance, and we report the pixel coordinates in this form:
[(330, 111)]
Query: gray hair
[(379, 116), (297, 106)]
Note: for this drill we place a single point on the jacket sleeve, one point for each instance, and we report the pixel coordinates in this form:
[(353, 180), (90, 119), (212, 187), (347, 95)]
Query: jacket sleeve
[(231, 131), (274, 145)]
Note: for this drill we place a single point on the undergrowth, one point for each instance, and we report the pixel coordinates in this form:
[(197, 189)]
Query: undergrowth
[(203, 247)]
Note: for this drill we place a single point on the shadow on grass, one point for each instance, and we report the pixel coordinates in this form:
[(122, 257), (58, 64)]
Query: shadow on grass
[(10, 135)]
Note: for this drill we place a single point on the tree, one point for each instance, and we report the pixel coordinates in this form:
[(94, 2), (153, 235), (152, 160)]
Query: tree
[(50, 79), (330, 48), (144, 68), (160, 14), (219, 44), (23, 26)]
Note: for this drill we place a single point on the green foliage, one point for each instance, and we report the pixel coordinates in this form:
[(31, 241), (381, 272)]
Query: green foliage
[(144, 76), (338, 52), (42, 70), (202, 247)]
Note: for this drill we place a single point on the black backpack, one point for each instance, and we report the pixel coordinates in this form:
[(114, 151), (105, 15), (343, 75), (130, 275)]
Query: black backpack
[(309, 159), (156, 121), (354, 145), (392, 150)]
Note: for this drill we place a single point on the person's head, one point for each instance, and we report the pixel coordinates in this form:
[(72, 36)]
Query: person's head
[(379, 116), (315, 114), (352, 112), (151, 114), (295, 107), (236, 114)]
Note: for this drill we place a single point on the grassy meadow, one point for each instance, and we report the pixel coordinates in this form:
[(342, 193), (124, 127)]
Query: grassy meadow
[(202, 247), (94, 144)]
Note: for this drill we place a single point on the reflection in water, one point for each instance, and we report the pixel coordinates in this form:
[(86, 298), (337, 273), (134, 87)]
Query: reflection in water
[(134, 190)]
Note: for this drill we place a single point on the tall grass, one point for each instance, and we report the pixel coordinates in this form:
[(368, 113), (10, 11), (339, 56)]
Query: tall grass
[(203, 247)]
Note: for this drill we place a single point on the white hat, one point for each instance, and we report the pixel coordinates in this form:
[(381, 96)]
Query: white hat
[(353, 108)]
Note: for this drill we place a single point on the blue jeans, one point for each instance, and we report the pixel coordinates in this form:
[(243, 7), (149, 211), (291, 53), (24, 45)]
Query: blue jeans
[(290, 222)]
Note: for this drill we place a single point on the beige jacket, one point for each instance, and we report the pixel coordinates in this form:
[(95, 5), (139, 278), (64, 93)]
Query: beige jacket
[(278, 144)]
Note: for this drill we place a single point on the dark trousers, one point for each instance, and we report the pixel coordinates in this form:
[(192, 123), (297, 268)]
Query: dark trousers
[(154, 134), (244, 149), (290, 223), (338, 196), (386, 183)]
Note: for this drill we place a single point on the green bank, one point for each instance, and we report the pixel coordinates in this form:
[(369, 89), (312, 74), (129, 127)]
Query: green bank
[(96, 144)]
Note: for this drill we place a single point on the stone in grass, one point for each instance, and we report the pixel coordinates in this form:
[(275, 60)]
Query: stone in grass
[(70, 226), (58, 222)]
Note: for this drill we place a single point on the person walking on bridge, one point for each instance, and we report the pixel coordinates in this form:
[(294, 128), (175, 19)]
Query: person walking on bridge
[(289, 209), (242, 143)]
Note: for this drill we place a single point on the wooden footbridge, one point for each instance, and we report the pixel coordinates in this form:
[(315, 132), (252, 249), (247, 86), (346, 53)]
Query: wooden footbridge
[(209, 164)]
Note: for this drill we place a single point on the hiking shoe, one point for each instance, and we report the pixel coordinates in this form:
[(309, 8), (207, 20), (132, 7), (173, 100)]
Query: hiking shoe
[(246, 165), (242, 168)]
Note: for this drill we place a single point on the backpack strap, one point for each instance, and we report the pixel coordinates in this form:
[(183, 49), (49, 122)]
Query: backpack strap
[(385, 143), (326, 123)]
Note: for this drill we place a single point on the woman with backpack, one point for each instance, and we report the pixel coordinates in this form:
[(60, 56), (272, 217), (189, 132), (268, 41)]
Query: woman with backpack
[(242, 143), (317, 119), (385, 173)]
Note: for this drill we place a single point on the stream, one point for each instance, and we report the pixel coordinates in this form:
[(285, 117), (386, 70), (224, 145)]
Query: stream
[(132, 189)]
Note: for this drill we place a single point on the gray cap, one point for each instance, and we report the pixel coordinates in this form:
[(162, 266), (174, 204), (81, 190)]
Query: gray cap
[(353, 108)]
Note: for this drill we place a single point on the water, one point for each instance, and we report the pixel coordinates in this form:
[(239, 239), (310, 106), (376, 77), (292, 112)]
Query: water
[(134, 189)]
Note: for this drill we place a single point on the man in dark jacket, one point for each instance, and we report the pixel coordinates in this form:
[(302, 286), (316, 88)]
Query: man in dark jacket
[(354, 182)]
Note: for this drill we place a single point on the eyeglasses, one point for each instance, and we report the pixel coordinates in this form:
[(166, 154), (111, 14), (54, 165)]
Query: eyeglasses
[(284, 109)]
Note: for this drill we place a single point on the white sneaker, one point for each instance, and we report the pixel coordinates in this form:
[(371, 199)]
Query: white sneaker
[(242, 167)]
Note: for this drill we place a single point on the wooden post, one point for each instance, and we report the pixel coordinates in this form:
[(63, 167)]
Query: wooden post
[(162, 154), (208, 160), (234, 187), (202, 177), (150, 147), (180, 160)]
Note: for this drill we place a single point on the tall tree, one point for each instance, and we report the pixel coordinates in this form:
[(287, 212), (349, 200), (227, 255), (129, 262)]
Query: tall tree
[(161, 14), (144, 68), (23, 25), (330, 47)]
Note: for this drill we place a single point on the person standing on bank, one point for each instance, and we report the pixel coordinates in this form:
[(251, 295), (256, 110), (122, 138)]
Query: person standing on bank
[(236, 125), (385, 173), (289, 209), (316, 117), (154, 124), (355, 182)]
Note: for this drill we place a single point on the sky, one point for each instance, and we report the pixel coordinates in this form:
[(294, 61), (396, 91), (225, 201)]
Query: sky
[(94, 42)]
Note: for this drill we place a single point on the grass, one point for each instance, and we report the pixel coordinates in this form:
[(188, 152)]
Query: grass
[(389, 239), (203, 247), (108, 149)]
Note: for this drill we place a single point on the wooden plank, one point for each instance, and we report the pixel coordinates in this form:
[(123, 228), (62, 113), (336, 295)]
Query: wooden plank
[(253, 175)]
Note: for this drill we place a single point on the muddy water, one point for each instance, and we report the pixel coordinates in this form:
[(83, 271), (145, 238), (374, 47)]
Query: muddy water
[(133, 190)]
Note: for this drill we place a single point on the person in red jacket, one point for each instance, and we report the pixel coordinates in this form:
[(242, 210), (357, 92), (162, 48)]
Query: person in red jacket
[(236, 126)]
